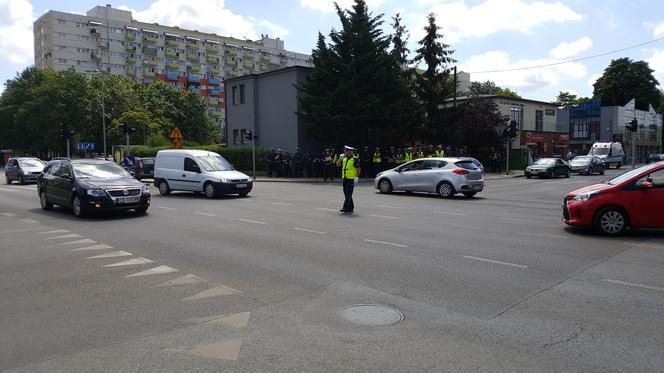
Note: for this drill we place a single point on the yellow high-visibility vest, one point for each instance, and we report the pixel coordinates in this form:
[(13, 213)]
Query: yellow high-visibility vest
[(348, 169), (376, 157)]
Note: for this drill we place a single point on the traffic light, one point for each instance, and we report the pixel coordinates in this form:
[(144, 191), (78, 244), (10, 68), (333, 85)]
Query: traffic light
[(249, 135), (65, 133), (511, 131), (632, 126), (126, 129)]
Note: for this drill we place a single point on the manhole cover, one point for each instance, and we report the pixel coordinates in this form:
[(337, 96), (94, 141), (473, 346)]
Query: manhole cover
[(370, 315)]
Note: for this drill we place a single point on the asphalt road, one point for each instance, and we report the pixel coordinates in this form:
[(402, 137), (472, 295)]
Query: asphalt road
[(492, 283)]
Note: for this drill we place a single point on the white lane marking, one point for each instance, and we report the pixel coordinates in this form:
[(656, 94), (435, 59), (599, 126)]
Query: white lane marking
[(9, 214), (335, 200), (203, 213), (494, 261), (30, 221), (78, 242), (166, 208), (53, 231), (237, 320), (383, 217), (390, 207), (645, 245), (251, 221), (113, 254), (514, 219), (213, 292), (18, 230), (70, 235), (93, 247), (307, 230), (634, 285), (154, 271), (385, 243), (131, 262), (325, 209), (184, 280), (448, 213), (282, 204)]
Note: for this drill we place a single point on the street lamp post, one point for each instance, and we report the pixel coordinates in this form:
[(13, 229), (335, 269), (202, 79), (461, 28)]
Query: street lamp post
[(103, 106)]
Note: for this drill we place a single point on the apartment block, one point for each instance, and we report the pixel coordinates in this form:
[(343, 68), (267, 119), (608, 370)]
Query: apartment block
[(109, 40)]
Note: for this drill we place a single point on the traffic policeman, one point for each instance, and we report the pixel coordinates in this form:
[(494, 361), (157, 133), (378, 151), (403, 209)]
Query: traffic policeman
[(350, 176), (440, 152)]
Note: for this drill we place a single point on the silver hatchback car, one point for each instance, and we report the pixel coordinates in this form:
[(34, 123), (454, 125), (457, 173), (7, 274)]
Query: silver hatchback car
[(445, 176)]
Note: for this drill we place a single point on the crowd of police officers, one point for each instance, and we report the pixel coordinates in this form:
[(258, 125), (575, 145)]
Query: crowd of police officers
[(372, 161)]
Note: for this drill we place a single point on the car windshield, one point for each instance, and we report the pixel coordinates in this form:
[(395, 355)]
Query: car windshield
[(214, 163), (581, 159), (545, 161), (99, 171), (628, 175), (30, 163), (599, 151)]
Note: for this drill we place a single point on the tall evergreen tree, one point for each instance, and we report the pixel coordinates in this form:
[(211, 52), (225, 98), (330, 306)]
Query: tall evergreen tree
[(399, 41), (355, 92), (434, 85)]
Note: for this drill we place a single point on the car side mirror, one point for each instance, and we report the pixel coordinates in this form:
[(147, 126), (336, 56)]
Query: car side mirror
[(645, 185)]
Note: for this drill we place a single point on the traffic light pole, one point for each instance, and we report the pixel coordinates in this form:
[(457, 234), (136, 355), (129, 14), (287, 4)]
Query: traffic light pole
[(253, 154), (507, 158), (68, 151), (633, 150)]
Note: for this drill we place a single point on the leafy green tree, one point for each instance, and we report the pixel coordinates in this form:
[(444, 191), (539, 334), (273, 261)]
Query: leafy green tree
[(624, 80), (434, 85), (568, 100), (355, 92), (490, 88), (475, 125)]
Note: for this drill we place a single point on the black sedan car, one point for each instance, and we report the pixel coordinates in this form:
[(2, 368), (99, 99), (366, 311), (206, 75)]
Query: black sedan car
[(142, 168), (87, 185), (548, 167), (587, 164)]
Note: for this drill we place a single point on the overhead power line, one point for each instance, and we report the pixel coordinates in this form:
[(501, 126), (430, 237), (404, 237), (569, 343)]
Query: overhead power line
[(567, 61)]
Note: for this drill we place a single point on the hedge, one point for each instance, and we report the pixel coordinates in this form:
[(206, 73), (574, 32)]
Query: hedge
[(240, 158)]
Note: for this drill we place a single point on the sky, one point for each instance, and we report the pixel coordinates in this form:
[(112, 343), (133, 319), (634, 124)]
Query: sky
[(486, 35)]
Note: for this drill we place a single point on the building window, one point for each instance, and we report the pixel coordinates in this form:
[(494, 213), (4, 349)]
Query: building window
[(62, 35), (581, 131), (234, 94), (539, 120), (242, 93), (243, 135), (62, 22), (515, 115), (236, 137)]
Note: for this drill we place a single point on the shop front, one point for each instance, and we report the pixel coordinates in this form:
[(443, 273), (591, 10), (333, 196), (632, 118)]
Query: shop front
[(545, 144)]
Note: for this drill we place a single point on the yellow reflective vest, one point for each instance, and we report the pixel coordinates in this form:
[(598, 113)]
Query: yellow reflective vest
[(440, 153), (349, 167), (377, 158)]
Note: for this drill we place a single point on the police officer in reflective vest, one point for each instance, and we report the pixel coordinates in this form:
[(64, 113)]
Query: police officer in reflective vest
[(376, 162), (440, 152), (350, 176)]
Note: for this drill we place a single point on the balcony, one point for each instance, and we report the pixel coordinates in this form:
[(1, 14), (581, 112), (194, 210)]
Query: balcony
[(193, 46), (193, 57), (172, 43), (150, 51), (172, 66), (231, 53), (149, 40), (130, 61), (94, 32), (95, 56), (148, 74), (130, 71), (231, 63), (171, 54), (130, 48), (150, 63), (265, 58), (213, 81), (248, 65), (211, 48), (130, 37), (193, 78), (194, 68), (232, 74), (262, 67), (249, 56), (212, 59), (214, 71), (171, 76)]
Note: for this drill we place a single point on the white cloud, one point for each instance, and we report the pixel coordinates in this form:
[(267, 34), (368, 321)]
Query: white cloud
[(564, 50), (460, 20), (327, 6), (275, 30), (656, 62), (16, 39), (593, 79), (527, 80), (205, 16), (658, 30)]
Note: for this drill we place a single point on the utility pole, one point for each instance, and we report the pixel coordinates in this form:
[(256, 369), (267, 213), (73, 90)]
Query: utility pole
[(249, 135), (455, 87)]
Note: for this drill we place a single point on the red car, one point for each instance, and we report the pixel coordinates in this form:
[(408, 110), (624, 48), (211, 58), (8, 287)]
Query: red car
[(634, 199)]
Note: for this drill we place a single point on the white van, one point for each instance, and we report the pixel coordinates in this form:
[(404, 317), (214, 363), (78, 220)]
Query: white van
[(611, 153), (198, 171)]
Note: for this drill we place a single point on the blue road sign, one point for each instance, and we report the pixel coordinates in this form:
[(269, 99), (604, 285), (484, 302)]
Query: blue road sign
[(85, 146)]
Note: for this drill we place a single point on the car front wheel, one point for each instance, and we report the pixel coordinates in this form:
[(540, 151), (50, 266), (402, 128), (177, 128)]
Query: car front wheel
[(385, 186), (209, 190), (43, 201), (610, 221), (7, 179), (77, 206)]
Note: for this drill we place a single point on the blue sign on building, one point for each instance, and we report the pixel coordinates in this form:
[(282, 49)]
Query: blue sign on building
[(85, 146)]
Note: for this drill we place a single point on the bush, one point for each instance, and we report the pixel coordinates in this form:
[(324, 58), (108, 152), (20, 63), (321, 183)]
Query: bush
[(240, 158)]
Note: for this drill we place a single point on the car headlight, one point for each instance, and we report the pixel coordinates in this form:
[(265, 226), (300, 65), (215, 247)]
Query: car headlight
[(585, 196), (224, 180), (96, 192), (145, 190)]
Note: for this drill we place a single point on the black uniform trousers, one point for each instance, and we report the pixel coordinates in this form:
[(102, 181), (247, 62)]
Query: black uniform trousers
[(348, 185)]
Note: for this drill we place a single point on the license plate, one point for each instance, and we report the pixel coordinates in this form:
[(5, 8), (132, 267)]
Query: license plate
[(241, 185), (477, 187), (127, 200)]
